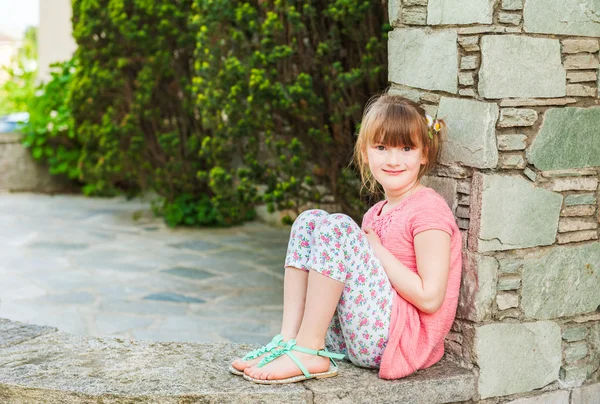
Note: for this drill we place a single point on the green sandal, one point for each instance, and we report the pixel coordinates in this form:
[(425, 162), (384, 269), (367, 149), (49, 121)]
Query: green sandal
[(277, 341), (291, 346)]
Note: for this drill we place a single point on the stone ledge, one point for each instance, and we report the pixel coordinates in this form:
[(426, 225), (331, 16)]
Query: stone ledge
[(40, 364)]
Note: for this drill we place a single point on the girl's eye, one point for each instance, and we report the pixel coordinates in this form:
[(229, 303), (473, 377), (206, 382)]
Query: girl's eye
[(380, 147), (407, 148)]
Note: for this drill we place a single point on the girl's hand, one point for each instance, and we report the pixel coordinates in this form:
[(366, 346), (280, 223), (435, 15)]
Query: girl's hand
[(373, 238)]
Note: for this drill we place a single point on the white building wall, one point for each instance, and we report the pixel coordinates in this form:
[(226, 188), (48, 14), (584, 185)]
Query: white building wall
[(55, 39)]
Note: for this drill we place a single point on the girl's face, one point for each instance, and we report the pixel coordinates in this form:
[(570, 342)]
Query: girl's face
[(395, 168)]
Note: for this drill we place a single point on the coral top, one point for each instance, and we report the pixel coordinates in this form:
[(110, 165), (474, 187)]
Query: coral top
[(416, 339)]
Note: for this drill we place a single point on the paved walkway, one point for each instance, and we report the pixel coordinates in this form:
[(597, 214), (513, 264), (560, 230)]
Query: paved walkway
[(107, 267)]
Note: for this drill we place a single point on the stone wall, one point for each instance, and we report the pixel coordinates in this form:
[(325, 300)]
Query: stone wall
[(517, 83), (21, 173)]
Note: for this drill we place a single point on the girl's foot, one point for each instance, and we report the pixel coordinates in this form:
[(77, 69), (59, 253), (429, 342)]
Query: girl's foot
[(283, 367), (241, 365)]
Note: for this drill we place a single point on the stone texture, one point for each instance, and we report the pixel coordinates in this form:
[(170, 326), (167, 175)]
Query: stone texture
[(578, 210), (414, 16), (575, 184), (13, 333), (509, 212), (511, 117), (452, 171), (581, 90), (573, 376), (582, 61), (576, 351), (512, 4), (466, 79), (471, 132), (415, 2), (589, 394), (576, 224), (576, 236), (469, 62), (509, 283), (469, 43), (446, 187), (62, 368), (511, 142), (528, 102), (515, 358), (580, 199), (478, 287), (569, 17), (580, 45), (577, 333), (460, 12), (535, 69), (574, 172), (467, 92), (563, 281), (507, 300), (510, 161), (509, 18), (581, 77), (529, 173), (567, 139), (436, 69), (554, 397)]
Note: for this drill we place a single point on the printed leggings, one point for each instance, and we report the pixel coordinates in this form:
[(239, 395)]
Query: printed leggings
[(335, 246)]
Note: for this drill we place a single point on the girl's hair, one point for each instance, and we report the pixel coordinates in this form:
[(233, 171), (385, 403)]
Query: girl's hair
[(394, 121)]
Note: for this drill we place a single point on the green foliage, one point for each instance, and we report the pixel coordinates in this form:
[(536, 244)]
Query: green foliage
[(50, 133)]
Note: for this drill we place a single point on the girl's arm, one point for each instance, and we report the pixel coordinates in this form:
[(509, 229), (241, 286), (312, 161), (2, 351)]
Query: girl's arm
[(427, 289)]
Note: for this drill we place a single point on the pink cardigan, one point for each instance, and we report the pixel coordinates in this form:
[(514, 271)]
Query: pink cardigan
[(416, 339)]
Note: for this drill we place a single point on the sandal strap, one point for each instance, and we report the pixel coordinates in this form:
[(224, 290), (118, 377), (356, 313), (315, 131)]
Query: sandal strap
[(275, 342)]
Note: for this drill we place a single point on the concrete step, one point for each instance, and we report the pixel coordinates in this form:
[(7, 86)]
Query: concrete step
[(41, 364)]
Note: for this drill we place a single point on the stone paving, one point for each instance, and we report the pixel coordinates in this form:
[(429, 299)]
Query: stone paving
[(107, 267)]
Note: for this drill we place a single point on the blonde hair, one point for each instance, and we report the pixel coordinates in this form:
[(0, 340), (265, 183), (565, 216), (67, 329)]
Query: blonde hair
[(395, 121)]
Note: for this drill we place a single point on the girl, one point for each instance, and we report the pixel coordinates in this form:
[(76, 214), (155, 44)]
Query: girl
[(385, 295)]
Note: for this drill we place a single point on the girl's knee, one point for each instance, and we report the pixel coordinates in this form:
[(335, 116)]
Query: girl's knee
[(309, 215)]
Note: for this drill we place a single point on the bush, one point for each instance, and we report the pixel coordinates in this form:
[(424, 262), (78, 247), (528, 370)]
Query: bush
[(205, 101)]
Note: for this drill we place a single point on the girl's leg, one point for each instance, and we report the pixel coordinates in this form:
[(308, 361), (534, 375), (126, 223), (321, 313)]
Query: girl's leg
[(339, 261), (296, 276)]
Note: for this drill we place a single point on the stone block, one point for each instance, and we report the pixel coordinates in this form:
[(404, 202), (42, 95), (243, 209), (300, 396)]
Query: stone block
[(452, 171), (567, 139), (423, 59), (576, 236), (414, 16), (565, 17), (469, 43), (466, 79), (13, 333), (460, 12), (510, 266), (507, 300), (515, 358), (462, 212), (589, 394), (467, 92), (554, 397), (578, 210), (394, 7), (573, 376), (509, 18), (509, 283), (478, 287), (511, 161), (512, 117), (535, 69), (576, 333), (575, 184), (560, 282), (446, 187), (529, 173), (512, 4), (431, 97), (415, 2), (576, 224), (580, 45), (581, 77), (576, 351), (509, 212), (469, 62), (528, 102), (471, 132), (581, 90), (464, 187), (511, 142), (581, 61), (580, 199), (62, 368)]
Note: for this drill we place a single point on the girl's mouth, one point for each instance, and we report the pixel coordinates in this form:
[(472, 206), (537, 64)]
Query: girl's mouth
[(393, 172)]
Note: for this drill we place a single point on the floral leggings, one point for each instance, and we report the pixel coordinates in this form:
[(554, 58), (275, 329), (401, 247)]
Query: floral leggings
[(335, 246)]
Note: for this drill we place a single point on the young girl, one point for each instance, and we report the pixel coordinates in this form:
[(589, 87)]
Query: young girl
[(385, 295)]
